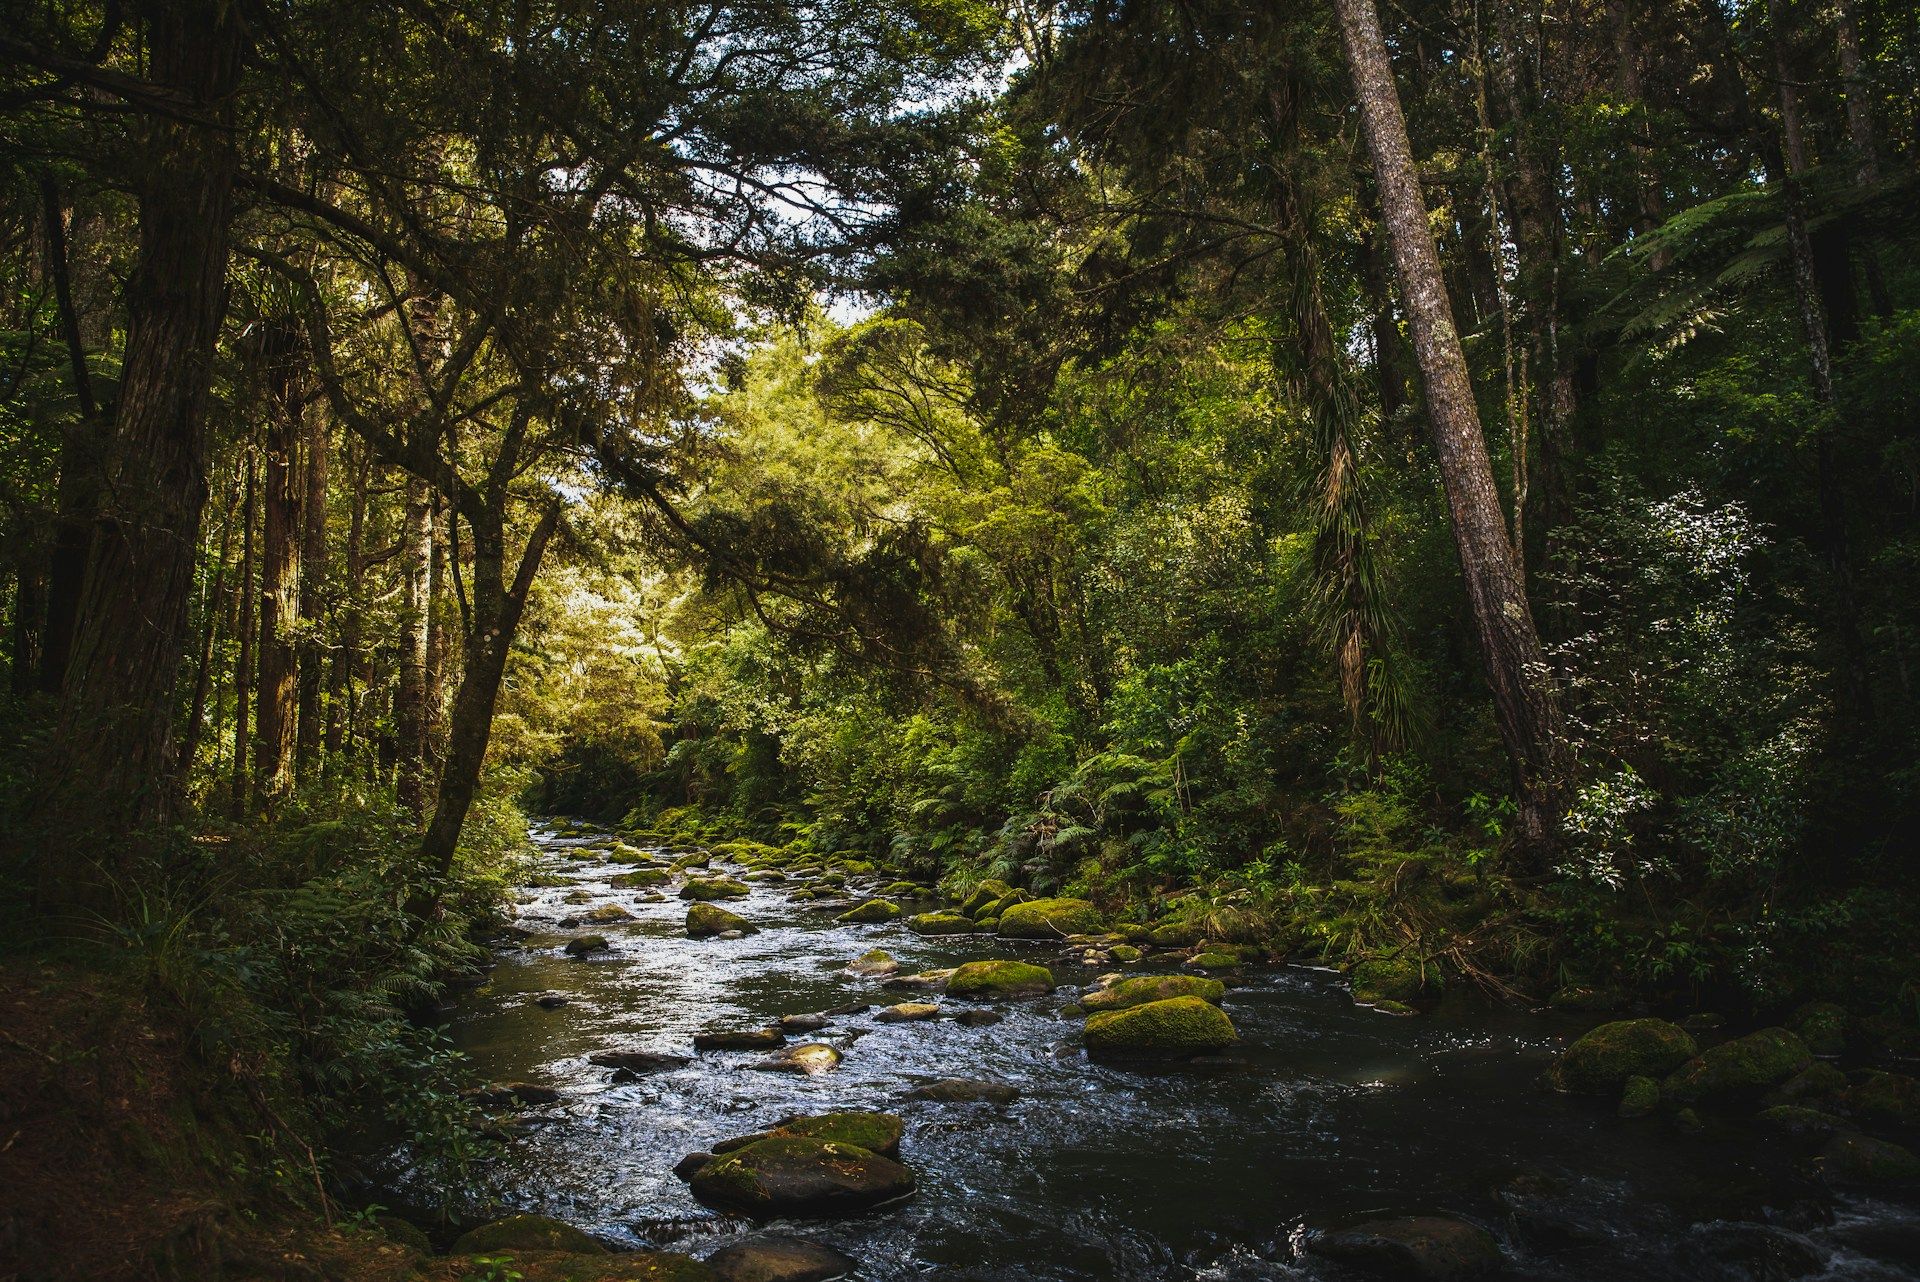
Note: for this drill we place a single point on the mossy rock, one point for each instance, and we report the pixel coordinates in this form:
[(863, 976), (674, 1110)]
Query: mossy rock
[(1126, 954), (1820, 1080), (606, 915), (875, 1132), (1154, 988), (640, 877), (1587, 997), (1797, 1119), (1049, 919), (1822, 1026), (1177, 1026), (987, 892), (960, 1090), (986, 980), (1397, 979), (874, 910), (715, 888), (1639, 1097), (1859, 1159), (905, 889), (1892, 1099), (998, 907), (795, 1176), (526, 1232), (631, 858), (1211, 960), (587, 945), (941, 924), (1744, 1066), (1600, 1062), (1176, 934), (405, 1232), (567, 1266), (856, 867), (698, 859), (778, 1258), (876, 961), (707, 920)]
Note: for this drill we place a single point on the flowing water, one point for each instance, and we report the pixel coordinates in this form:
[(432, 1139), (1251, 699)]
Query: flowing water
[(1101, 1172)]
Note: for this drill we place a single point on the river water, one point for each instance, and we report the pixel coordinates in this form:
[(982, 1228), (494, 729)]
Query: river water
[(1105, 1173)]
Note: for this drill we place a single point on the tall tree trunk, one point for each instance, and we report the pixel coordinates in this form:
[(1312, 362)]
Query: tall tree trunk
[(279, 580), (410, 713), (437, 642), (1524, 701), (313, 589), (243, 661), (346, 654), (110, 767), (1860, 133), (497, 607), (29, 617), (215, 603), (80, 449)]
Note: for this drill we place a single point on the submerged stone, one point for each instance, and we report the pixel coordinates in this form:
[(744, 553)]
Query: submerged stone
[(801, 1177), (587, 945), (739, 1039), (638, 1061), (811, 1060), (714, 888), (959, 1090), (779, 1259), (1858, 1159), (874, 962), (1420, 1247), (1177, 1026), (1601, 1061)]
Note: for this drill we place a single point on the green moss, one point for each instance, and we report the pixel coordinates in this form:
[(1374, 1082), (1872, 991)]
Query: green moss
[(1178, 1026), (987, 892), (874, 910), (1399, 979), (1857, 1159), (1890, 1098), (1797, 1119), (875, 1132), (1214, 961), (641, 877), (1639, 1097), (1154, 988), (1176, 934), (1822, 1026), (1126, 954), (1601, 1062), (1049, 919), (905, 889), (990, 979), (714, 888), (704, 920), (1745, 1065), (940, 924), (527, 1232)]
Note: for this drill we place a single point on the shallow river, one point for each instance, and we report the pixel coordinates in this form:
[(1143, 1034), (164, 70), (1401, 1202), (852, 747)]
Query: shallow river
[(1108, 1173)]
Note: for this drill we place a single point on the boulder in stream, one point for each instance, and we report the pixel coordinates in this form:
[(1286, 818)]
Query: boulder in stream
[(606, 915), (873, 962), (988, 892), (637, 1061), (779, 1259), (876, 1132), (714, 888), (1746, 1066), (808, 1023), (870, 912), (1049, 919), (739, 1039), (527, 1232), (987, 980), (941, 924), (1424, 1247), (960, 1090), (1174, 1028), (812, 1059), (1860, 1159), (1153, 988), (1400, 978), (801, 1177), (907, 1012), (640, 878), (977, 1018), (704, 921), (587, 945), (1892, 1099), (1601, 1061)]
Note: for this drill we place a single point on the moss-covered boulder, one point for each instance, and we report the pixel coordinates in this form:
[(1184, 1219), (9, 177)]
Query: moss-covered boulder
[(1820, 1080), (1395, 979), (941, 924), (707, 920), (876, 961), (640, 878), (1601, 1062), (874, 910), (1639, 1097), (985, 893), (1892, 1099), (1125, 954), (987, 980), (1049, 919), (1745, 1066), (1214, 960), (702, 888), (1822, 1026), (606, 915), (526, 1232), (904, 890), (994, 910), (794, 1176), (1177, 1027), (1798, 1119), (1154, 988), (1421, 1248), (875, 1132), (1860, 1159)]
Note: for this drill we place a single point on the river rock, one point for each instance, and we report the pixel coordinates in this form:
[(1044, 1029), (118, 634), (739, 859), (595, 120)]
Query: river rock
[(959, 1090), (1153, 988), (714, 888), (941, 924), (1822, 1026), (1638, 1097), (921, 979), (876, 1132), (907, 1012), (510, 1095), (987, 892), (1421, 1247), (977, 1018), (874, 962), (551, 1001), (638, 1061), (812, 1059), (1600, 1062), (873, 910), (587, 945), (606, 915), (739, 1039), (1745, 1066), (526, 1232), (1400, 979), (809, 1023), (704, 921), (1049, 919), (779, 1259), (1178, 1026), (1820, 1080), (692, 1162), (1860, 1159), (640, 878), (1892, 1099), (801, 1177), (987, 980), (1799, 1120)]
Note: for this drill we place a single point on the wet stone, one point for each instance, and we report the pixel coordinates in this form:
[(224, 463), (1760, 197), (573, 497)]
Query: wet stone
[(739, 1039), (779, 1259)]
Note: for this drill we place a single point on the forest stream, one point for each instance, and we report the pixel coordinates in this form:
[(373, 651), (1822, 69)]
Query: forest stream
[(1328, 1113)]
